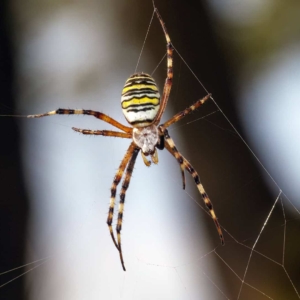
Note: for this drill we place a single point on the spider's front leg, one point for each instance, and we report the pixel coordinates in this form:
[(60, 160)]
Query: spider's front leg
[(96, 114), (185, 112), (127, 135)]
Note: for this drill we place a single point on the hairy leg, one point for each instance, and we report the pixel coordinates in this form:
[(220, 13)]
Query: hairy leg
[(113, 189), (96, 114), (104, 133), (125, 186), (183, 161), (185, 112)]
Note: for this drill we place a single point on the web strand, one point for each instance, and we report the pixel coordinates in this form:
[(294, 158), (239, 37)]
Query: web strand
[(17, 268), (31, 269), (262, 229), (284, 232), (158, 64), (144, 42)]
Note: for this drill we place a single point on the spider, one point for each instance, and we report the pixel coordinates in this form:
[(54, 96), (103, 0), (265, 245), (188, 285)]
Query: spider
[(143, 108)]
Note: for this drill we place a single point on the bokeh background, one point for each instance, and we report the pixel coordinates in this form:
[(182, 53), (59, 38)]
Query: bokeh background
[(55, 183)]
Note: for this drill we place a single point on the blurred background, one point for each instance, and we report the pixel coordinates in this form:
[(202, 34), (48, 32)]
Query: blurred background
[(55, 184)]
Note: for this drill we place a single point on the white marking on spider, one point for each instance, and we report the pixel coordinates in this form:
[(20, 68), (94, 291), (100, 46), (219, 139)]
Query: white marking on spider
[(146, 138)]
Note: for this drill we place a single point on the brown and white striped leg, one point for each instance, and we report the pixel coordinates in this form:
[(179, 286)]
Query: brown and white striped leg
[(187, 111), (96, 114), (113, 189), (182, 168), (173, 150), (169, 79), (127, 135), (125, 186)]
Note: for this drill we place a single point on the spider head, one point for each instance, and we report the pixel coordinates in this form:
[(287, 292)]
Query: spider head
[(146, 138), (140, 100)]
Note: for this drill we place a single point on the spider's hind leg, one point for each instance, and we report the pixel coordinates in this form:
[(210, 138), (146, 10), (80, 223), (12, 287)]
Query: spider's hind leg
[(184, 163), (113, 190), (125, 186)]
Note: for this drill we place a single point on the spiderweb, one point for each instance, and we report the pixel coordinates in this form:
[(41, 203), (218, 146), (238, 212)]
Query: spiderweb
[(259, 260)]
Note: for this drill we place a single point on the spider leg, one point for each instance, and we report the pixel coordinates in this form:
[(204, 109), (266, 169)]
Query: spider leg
[(127, 135), (169, 79), (173, 150), (113, 189), (175, 119), (182, 167), (96, 114), (125, 186), (185, 112)]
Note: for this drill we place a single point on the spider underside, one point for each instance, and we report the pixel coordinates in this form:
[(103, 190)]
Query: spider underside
[(143, 108)]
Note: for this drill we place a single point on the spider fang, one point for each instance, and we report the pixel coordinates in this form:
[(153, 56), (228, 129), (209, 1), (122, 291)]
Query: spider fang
[(146, 138)]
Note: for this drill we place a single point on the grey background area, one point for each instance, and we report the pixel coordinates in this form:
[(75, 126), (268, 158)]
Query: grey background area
[(55, 183)]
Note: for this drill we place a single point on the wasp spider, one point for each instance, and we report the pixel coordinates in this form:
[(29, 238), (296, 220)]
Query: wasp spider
[(143, 108)]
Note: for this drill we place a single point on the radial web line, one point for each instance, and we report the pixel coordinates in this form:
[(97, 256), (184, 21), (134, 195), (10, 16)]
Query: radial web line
[(22, 274), (262, 229), (246, 144), (254, 288), (181, 281), (158, 64), (283, 251), (174, 127), (228, 266), (144, 42), (190, 70), (251, 286), (248, 247), (15, 116), (28, 264), (232, 132), (44, 261), (287, 274), (214, 285), (284, 232)]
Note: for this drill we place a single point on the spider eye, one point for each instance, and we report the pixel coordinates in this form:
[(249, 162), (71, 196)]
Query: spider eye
[(140, 100)]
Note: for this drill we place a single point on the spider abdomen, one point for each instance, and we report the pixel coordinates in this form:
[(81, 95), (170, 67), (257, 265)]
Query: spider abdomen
[(140, 100)]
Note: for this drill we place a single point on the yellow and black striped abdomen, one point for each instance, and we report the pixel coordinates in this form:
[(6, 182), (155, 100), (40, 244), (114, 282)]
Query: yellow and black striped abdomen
[(140, 100)]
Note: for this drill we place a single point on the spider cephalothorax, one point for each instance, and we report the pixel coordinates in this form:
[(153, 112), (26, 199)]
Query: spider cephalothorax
[(143, 108), (146, 138)]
